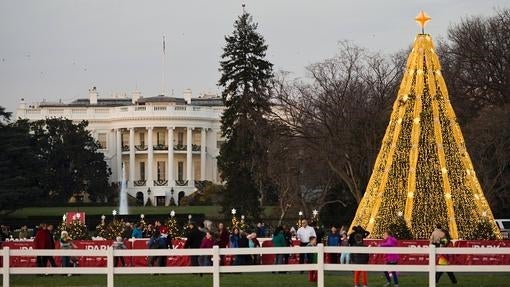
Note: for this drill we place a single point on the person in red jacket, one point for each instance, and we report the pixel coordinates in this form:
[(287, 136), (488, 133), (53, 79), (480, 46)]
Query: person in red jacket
[(207, 242), (42, 241), (223, 240)]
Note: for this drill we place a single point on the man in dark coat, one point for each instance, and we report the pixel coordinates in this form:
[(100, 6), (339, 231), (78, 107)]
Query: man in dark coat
[(193, 240), (51, 244)]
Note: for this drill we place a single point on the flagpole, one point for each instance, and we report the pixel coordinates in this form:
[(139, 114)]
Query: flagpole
[(163, 68)]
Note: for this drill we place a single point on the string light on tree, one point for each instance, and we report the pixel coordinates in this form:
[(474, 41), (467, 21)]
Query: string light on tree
[(423, 168), (300, 214), (173, 228), (235, 222)]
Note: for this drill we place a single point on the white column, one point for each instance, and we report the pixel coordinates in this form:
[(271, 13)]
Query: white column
[(118, 133), (202, 153), (150, 157), (189, 156), (131, 156), (170, 163)]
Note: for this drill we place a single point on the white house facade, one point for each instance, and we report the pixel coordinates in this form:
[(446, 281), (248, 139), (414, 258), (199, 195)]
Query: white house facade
[(168, 145)]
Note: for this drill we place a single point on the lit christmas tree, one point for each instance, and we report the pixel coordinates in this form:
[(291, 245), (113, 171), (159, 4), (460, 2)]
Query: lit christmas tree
[(423, 168), (76, 229), (173, 228), (102, 228)]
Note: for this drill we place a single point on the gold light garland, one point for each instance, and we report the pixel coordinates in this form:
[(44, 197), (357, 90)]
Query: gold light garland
[(423, 169)]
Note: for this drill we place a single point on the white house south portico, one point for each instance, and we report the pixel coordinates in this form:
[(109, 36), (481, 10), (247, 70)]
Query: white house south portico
[(168, 145)]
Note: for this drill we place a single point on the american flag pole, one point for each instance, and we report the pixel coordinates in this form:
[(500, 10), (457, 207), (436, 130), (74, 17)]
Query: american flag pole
[(163, 67)]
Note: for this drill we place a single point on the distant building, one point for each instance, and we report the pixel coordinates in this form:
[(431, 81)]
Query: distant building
[(168, 145)]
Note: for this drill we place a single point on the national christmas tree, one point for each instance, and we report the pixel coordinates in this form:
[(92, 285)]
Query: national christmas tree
[(423, 169)]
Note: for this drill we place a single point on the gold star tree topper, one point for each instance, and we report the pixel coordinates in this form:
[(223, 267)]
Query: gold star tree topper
[(422, 20)]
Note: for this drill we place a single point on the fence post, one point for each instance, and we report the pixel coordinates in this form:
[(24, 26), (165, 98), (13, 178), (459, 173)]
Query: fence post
[(6, 261), (432, 265), (109, 267), (320, 265), (216, 266)]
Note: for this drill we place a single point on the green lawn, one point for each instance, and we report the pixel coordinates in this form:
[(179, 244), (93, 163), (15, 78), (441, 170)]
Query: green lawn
[(254, 280), (209, 211)]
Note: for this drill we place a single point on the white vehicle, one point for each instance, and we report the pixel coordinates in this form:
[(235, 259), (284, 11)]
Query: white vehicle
[(504, 227)]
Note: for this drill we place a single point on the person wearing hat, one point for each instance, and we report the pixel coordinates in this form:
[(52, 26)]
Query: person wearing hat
[(118, 244)]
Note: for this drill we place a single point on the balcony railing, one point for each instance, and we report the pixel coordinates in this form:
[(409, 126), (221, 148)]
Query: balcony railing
[(140, 182), (181, 182), (179, 147), (141, 147), (125, 148), (160, 147), (195, 147), (160, 182)]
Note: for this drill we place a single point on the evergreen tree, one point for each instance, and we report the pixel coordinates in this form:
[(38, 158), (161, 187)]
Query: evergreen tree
[(246, 78), (72, 164), (18, 165)]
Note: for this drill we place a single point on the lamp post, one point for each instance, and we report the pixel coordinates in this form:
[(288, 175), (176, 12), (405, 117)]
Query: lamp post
[(149, 195)]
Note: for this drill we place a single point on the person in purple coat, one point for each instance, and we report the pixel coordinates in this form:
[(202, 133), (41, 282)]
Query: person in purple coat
[(390, 258)]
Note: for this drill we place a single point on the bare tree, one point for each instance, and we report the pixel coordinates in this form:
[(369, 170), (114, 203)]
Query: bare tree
[(341, 111)]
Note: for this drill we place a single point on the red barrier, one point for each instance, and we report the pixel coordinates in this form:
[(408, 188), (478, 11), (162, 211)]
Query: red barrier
[(270, 258), (482, 259), (405, 259)]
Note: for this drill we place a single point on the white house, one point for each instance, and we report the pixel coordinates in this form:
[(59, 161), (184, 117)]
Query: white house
[(167, 144)]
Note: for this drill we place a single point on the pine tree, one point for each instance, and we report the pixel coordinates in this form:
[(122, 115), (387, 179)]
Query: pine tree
[(482, 231), (76, 230), (400, 229), (246, 78), (18, 165)]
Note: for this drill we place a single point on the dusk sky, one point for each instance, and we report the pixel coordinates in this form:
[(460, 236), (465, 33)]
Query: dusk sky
[(57, 50)]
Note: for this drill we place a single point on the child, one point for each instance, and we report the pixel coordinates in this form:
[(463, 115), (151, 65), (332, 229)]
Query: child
[(345, 256), (312, 275), (118, 244), (359, 258)]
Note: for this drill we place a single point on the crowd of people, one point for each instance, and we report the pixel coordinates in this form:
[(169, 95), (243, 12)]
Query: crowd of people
[(207, 235)]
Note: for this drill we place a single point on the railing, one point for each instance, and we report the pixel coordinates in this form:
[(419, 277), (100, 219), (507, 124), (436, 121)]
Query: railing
[(141, 147), (160, 182), (160, 147), (195, 147), (181, 182), (180, 147), (93, 113), (140, 182), (216, 269)]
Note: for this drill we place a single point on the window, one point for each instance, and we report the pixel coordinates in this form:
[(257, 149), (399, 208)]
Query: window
[(161, 170), (101, 138), (142, 139), (180, 170), (180, 138), (160, 140), (142, 170), (197, 137), (196, 169)]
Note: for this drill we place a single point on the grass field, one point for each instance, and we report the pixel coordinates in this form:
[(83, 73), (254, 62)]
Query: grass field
[(255, 280)]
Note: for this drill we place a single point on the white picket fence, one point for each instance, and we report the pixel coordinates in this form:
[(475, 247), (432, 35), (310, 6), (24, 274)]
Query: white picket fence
[(216, 269)]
